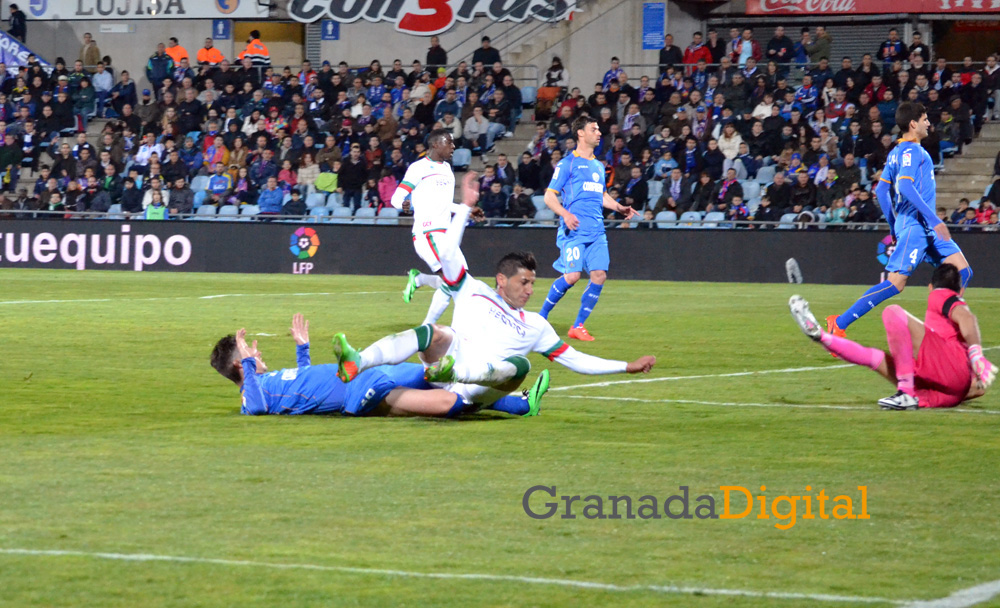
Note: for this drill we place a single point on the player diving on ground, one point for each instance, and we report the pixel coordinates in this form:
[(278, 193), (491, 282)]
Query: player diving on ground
[(915, 228), (481, 357), (935, 363), (315, 389)]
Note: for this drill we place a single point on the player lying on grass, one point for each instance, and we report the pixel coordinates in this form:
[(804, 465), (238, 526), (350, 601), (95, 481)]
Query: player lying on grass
[(937, 363), (482, 355), (315, 389)]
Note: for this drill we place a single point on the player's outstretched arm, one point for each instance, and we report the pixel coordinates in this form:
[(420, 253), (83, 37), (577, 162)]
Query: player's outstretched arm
[(610, 203), (968, 327), (642, 365), (254, 403), (590, 365), (300, 332)]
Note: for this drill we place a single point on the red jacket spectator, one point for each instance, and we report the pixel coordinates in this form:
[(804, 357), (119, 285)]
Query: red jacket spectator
[(738, 49), (695, 52)]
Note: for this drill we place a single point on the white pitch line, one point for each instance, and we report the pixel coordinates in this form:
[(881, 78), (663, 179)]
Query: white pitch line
[(963, 598), (530, 580), (786, 370), (806, 406), (211, 297)]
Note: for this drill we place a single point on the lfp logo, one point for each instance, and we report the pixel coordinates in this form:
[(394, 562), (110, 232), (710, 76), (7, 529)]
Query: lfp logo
[(38, 7), (304, 244), (226, 6), (885, 249)]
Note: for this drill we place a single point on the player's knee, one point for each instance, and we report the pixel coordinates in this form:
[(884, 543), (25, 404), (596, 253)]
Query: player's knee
[(571, 277), (598, 276), (521, 365), (898, 281), (893, 314)]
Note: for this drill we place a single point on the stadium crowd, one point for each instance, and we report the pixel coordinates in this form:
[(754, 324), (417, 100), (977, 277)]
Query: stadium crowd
[(741, 129)]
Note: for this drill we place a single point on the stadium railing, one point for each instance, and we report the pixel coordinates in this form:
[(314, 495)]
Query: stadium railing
[(678, 224)]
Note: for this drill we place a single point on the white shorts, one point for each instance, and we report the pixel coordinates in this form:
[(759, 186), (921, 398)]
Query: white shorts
[(427, 246), (464, 350)]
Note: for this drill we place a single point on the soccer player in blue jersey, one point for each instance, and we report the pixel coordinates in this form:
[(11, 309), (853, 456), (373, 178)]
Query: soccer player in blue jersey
[(315, 389), (915, 228), (583, 247)]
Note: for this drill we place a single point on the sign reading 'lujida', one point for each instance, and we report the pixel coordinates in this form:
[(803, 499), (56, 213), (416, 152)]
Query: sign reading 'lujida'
[(423, 17), (44, 10)]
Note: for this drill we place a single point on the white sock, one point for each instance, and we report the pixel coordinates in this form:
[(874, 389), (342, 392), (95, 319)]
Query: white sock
[(428, 280), (390, 350), (439, 303), (492, 372)]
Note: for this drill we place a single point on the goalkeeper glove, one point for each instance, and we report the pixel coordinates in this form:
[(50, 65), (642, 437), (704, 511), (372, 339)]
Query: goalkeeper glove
[(985, 371)]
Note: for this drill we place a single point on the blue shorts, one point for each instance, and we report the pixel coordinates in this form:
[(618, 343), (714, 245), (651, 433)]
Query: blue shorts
[(371, 387), (915, 244), (582, 254)]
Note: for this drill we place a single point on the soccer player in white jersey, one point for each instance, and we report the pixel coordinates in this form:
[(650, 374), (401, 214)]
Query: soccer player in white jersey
[(481, 357), (430, 184)]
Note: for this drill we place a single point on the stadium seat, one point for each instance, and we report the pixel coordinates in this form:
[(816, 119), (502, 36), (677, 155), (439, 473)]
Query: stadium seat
[(249, 211), (388, 216), (228, 212), (655, 190), (538, 201), (712, 219), (528, 96), (340, 215), (750, 190), (115, 212), (752, 205), (544, 216), (461, 159), (765, 175), (199, 198), (207, 210), (199, 183), (335, 199), (286, 198), (689, 217), (666, 219), (316, 199), (787, 221), (365, 215), (316, 214)]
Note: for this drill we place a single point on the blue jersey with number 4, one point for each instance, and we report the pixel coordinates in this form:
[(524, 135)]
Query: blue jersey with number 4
[(909, 160), (579, 182)]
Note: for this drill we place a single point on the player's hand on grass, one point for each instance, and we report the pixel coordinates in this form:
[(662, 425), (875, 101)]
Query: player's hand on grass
[(984, 371), (943, 232), (470, 189), (246, 352), (642, 365), (300, 329)]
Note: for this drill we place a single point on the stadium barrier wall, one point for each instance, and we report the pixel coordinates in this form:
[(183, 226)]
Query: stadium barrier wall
[(756, 256)]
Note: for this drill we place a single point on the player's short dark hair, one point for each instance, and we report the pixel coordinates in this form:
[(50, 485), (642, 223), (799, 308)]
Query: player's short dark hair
[(947, 276), (581, 122), (223, 356), (436, 135), (907, 112), (512, 263)]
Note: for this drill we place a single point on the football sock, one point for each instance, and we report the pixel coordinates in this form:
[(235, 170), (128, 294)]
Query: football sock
[(869, 300), (966, 273), (492, 373), (588, 302), (397, 348), (428, 280), (439, 304), (457, 408), (852, 352), (511, 404), (556, 292), (897, 333)]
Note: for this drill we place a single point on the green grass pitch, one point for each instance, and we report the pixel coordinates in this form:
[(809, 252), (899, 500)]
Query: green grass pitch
[(117, 437)]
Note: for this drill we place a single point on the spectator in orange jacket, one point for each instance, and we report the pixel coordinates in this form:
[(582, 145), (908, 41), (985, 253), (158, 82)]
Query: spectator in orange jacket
[(176, 51), (256, 51), (209, 55)]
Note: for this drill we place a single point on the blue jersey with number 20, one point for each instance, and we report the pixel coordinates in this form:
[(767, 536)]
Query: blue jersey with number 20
[(579, 182)]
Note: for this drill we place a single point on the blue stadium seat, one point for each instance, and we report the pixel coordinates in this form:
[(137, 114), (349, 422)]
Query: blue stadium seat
[(115, 212), (365, 215), (207, 210), (529, 95), (545, 215), (198, 183), (317, 214), (666, 219), (765, 175), (388, 216), (787, 221), (335, 199), (316, 199), (228, 212), (199, 198), (688, 217), (655, 190), (249, 211), (340, 215), (750, 190)]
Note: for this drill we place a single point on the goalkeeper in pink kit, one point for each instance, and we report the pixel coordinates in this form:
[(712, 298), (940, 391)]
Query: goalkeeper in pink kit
[(935, 363)]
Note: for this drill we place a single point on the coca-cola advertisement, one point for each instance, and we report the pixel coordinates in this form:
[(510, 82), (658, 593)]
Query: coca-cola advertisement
[(868, 7)]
